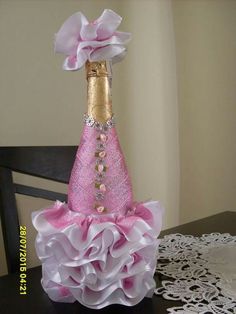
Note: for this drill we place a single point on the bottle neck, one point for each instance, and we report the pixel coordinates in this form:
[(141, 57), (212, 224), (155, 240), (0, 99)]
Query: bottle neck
[(99, 90)]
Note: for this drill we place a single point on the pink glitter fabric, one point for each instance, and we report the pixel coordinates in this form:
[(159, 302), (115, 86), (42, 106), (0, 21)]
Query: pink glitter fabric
[(82, 190)]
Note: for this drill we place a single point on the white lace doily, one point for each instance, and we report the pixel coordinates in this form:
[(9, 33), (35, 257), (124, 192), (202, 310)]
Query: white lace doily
[(201, 272)]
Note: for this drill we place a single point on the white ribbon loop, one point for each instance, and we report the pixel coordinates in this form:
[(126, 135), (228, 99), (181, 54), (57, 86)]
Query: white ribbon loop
[(81, 40)]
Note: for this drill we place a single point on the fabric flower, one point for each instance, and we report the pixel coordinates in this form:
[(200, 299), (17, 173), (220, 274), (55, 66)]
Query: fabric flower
[(81, 40)]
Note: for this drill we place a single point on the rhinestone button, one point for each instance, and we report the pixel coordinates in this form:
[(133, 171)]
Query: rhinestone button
[(99, 196)]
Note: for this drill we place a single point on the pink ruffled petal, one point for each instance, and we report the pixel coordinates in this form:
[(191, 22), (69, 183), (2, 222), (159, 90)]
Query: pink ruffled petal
[(73, 63), (68, 36), (144, 213), (98, 261)]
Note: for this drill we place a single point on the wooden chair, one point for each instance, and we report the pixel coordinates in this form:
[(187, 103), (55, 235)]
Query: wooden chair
[(53, 163)]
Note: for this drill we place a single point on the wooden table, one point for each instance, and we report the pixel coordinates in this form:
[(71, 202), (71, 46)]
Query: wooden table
[(37, 302)]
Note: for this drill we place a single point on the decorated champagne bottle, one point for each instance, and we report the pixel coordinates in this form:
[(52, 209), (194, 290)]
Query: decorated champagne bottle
[(100, 247), (99, 181)]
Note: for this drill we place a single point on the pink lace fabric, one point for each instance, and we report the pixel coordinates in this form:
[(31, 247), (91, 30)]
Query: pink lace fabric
[(97, 258), (81, 194)]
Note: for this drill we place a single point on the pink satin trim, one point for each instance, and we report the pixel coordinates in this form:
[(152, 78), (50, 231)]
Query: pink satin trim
[(60, 216)]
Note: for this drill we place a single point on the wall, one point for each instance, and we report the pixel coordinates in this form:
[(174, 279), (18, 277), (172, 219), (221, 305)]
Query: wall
[(206, 70), (42, 105)]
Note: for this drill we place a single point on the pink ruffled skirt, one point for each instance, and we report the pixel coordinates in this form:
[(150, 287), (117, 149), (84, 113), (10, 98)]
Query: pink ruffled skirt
[(95, 259)]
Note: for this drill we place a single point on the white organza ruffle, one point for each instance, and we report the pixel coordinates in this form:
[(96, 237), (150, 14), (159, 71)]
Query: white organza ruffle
[(98, 261)]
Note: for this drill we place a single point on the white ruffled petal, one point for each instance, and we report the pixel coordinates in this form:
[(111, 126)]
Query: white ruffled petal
[(77, 35), (106, 53), (122, 37), (108, 22), (68, 36), (88, 32)]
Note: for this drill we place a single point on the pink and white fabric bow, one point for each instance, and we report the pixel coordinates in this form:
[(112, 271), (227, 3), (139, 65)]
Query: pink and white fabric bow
[(81, 40)]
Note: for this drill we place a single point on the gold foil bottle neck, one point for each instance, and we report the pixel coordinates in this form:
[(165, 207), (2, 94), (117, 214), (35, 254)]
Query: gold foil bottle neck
[(98, 68), (99, 90)]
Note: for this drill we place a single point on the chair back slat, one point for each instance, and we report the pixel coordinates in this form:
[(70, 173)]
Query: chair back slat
[(41, 193), (53, 163), (9, 220)]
